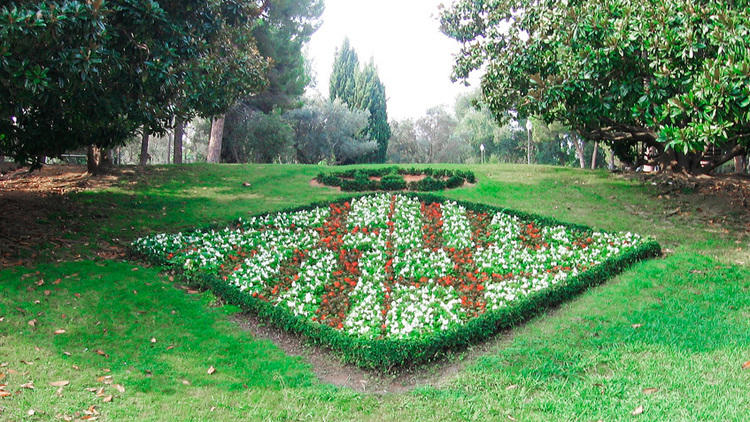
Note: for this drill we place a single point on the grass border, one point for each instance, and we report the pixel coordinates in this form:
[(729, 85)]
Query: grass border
[(386, 354)]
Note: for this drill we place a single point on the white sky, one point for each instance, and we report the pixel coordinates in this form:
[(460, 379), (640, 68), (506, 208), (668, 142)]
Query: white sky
[(414, 59)]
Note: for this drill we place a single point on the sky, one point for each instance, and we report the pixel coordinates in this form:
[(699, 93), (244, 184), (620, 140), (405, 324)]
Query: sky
[(414, 59)]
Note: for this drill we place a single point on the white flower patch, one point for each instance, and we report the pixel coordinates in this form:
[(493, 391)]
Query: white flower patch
[(369, 211), (423, 310), (303, 298), (367, 298), (456, 226)]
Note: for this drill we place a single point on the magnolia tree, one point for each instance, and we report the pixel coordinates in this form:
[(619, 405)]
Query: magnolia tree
[(665, 82), (74, 73)]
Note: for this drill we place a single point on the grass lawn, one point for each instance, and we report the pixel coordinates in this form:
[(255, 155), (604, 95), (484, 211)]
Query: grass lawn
[(667, 338)]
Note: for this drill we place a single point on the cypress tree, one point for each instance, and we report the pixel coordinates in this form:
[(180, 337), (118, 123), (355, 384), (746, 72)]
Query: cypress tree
[(344, 75)]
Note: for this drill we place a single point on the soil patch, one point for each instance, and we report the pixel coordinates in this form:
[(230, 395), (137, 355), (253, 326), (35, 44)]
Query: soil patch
[(39, 221), (408, 178), (329, 369)]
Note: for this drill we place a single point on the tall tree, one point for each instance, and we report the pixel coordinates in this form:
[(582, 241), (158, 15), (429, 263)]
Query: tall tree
[(666, 75), (91, 73), (369, 95), (344, 75)]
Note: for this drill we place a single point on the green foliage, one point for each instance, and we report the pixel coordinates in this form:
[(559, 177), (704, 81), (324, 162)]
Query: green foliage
[(391, 178), (362, 89), (344, 75), (393, 181), (328, 131), (254, 136), (80, 73), (281, 34), (671, 74)]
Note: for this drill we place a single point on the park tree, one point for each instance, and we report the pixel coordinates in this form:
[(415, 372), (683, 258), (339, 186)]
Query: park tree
[(343, 80), (329, 131), (281, 33), (370, 96), (671, 77), (436, 129), (361, 89), (76, 74)]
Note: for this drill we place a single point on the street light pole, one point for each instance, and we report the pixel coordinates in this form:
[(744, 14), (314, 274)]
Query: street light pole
[(481, 148), (528, 141)]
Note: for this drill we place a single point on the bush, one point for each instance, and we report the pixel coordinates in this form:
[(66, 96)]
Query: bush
[(358, 180), (393, 182)]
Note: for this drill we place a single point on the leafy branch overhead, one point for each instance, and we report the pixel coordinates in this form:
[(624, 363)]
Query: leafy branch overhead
[(670, 75), (80, 73)]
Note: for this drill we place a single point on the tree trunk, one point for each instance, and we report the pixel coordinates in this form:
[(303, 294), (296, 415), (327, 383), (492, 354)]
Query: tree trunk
[(179, 131), (593, 156), (97, 159), (144, 149), (578, 142), (214, 142), (739, 164)]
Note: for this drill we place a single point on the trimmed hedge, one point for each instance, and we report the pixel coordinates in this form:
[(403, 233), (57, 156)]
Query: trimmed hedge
[(386, 354), (358, 180)]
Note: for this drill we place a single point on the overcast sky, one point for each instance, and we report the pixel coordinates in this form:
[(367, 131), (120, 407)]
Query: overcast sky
[(414, 59)]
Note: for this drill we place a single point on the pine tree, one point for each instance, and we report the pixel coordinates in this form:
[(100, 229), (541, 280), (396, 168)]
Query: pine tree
[(344, 74), (370, 96)]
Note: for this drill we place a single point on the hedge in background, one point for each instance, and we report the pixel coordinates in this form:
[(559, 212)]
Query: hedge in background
[(394, 349), (358, 180)]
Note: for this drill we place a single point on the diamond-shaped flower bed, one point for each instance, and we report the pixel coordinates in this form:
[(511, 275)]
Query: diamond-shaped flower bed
[(388, 280)]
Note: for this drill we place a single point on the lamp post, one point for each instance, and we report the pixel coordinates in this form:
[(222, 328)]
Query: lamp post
[(481, 148), (528, 141)]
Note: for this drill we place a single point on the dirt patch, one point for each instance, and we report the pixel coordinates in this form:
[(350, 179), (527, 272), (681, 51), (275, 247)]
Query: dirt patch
[(39, 221), (315, 183), (329, 369)]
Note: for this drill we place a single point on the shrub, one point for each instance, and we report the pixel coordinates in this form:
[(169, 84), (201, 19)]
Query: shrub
[(392, 182)]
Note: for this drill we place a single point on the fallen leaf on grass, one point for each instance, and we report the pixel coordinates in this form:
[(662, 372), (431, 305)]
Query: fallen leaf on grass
[(185, 382), (153, 340), (58, 332), (33, 322), (211, 370), (101, 352), (28, 385), (171, 346), (637, 411), (4, 393), (40, 282), (26, 362), (31, 412), (192, 291), (746, 365), (134, 269), (56, 282), (107, 379), (2, 319), (119, 388), (511, 387), (47, 292), (637, 326), (651, 390), (59, 383), (67, 354), (107, 399)]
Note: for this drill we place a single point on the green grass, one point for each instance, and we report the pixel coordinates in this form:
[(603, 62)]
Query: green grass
[(581, 361)]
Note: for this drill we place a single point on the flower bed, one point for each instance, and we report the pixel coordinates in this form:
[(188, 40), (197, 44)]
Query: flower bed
[(394, 279), (392, 179)]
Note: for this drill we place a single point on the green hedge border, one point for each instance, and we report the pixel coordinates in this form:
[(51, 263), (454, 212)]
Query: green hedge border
[(386, 354), (357, 180)]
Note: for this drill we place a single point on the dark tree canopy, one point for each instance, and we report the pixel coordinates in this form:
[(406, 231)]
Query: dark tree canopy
[(672, 75), (76, 73), (281, 33)]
